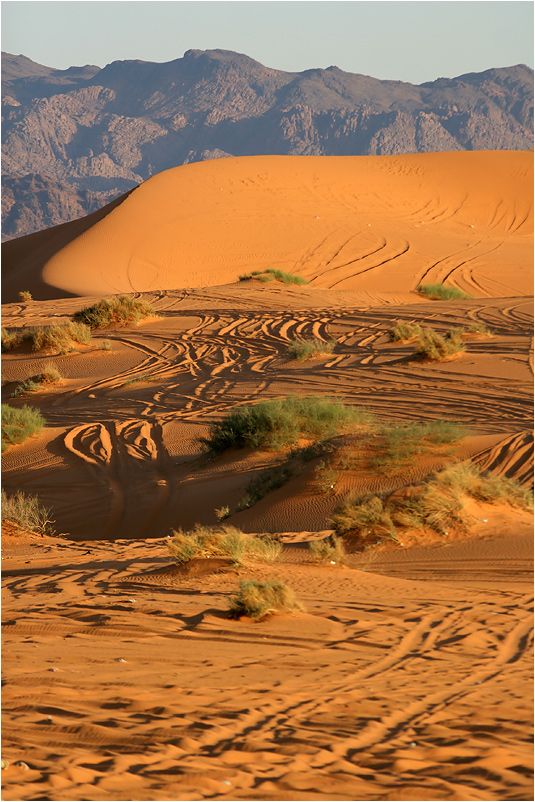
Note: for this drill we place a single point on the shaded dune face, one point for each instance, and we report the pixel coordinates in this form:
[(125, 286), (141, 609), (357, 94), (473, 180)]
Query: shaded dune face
[(356, 222)]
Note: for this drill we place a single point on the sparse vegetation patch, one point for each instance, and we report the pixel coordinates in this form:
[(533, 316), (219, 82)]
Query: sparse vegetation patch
[(26, 511), (331, 549), (270, 274), (50, 375), (439, 292), (404, 332), (279, 423), (257, 599), (437, 504), (59, 337), (25, 296), (120, 311), (260, 485), (19, 423), (437, 348), (223, 541), (309, 349)]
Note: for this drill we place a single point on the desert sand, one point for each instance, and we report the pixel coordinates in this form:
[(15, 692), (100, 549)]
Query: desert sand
[(409, 675)]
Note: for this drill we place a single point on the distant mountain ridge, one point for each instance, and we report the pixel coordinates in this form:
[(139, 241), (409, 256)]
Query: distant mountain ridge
[(75, 138)]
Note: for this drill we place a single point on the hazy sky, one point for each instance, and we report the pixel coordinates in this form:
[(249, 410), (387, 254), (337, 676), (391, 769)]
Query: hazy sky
[(404, 40)]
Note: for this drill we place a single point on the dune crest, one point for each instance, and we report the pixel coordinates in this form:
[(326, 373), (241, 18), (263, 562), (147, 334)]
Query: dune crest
[(342, 222)]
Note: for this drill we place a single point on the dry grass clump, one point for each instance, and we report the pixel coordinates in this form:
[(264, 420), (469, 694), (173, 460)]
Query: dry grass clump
[(224, 541), (270, 274), (50, 375), (19, 423), (439, 292), (59, 337), (404, 332), (480, 329), (330, 550), (279, 423), (309, 349), (257, 599), (437, 504), (119, 311), (397, 444), (27, 512), (437, 348), (25, 296)]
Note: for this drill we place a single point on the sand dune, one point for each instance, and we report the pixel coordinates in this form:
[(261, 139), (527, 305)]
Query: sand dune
[(409, 674), (366, 223)]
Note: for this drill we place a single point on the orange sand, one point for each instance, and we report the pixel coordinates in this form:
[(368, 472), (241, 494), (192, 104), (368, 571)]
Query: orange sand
[(362, 222), (409, 675)]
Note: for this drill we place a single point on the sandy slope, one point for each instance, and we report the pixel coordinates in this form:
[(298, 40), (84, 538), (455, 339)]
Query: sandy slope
[(409, 675), (363, 222), (125, 682)]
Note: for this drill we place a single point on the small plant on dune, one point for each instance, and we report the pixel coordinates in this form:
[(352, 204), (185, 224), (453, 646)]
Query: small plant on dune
[(325, 478), (25, 296), (10, 340), (257, 599), (222, 513), (302, 350), (19, 423), (259, 486), (433, 346), (439, 292), (265, 276), (331, 549), (119, 311), (480, 329), (27, 512), (104, 345), (224, 541), (403, 331), (50, 375), (279, 423)]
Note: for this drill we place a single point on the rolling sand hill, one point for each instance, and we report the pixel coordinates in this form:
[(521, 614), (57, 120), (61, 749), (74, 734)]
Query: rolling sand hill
[(409, 675)]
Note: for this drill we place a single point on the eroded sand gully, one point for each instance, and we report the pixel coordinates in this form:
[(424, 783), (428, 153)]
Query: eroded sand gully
[(409, 676)]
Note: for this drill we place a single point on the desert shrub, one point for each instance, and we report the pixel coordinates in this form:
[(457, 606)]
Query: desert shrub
[(119, 311), (437, 348), (260, 485), (50, 375), (439, 292), (258, 599), (25, 296), (437, 504), (10, 340), (60, 337), (405, 331), (222, 513), (329, 550), (104, 345), (224, 541), (270, 274), (27, 512), (19, 423), (281, 422), (308, 349)]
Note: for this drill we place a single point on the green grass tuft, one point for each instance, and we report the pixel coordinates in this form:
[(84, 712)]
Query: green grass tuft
[(279, 423), (50, 375), (265, 276), (309, 349), (257, 599), (19, 423), (439, 292), (119, 311), (404, 332), (224, 541), (25, 296), (437, 348)]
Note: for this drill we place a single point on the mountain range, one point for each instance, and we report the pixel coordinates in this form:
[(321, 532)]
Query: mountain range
[(75, 139)]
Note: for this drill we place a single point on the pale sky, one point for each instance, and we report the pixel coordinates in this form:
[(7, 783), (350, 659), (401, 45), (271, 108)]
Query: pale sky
[(404, 40)]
